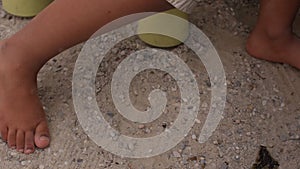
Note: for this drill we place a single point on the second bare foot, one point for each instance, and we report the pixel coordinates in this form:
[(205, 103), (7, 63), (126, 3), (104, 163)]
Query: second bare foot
[(280, 48)]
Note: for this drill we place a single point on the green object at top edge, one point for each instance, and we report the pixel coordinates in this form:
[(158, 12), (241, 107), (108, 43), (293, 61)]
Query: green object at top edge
[(25, 8), (153, 22)]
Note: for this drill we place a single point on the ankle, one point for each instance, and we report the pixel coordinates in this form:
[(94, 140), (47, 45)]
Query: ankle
[(16, 59), (274, 34)]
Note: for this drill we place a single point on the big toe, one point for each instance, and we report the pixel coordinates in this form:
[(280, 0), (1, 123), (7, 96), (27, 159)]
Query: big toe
[(42, 136)]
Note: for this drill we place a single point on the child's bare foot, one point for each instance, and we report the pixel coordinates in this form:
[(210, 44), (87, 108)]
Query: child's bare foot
[(275, 47), (22, 119)]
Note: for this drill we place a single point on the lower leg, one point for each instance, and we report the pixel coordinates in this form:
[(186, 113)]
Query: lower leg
[(272, 38), (65, 23), (60, 26)]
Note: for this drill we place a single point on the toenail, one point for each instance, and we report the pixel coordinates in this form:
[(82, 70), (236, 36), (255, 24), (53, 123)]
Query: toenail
[(21, 150), (44, 138), (13, 147)]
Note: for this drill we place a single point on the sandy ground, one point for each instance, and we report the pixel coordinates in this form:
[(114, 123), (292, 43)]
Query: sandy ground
[(262, 105)]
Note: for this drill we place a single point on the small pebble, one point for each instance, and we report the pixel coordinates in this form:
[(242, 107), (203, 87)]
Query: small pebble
[(173, 89), (131, 146), (13, 153), (112, 134), (141, 126), (221, 154), (202, 162), (2, 14), (176, 154), (296, 137), (23, 163), (276, 90), (270, 145), (122, 53), (197, 121), (215, 142), (79, 160)]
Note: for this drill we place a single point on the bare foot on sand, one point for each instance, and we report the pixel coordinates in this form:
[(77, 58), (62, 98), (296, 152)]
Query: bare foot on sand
[(281, 48), (22, 119), (272, 38)]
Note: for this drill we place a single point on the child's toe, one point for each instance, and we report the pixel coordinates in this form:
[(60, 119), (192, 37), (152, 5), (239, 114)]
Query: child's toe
[(12, 138), (20, 140), (4, 133), (42, 136), (29, 143)]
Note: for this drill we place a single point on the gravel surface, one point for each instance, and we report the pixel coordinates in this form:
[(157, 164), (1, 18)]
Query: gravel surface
[(262, 107)]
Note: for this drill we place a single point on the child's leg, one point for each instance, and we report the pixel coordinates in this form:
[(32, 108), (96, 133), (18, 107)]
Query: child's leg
[(63, 24), (272, 38)]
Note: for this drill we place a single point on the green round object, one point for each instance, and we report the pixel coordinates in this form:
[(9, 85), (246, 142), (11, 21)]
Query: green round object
[(181, 29), (25, 8)]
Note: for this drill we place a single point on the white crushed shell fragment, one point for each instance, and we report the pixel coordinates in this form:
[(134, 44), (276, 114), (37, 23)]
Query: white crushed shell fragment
[(176, 154)]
